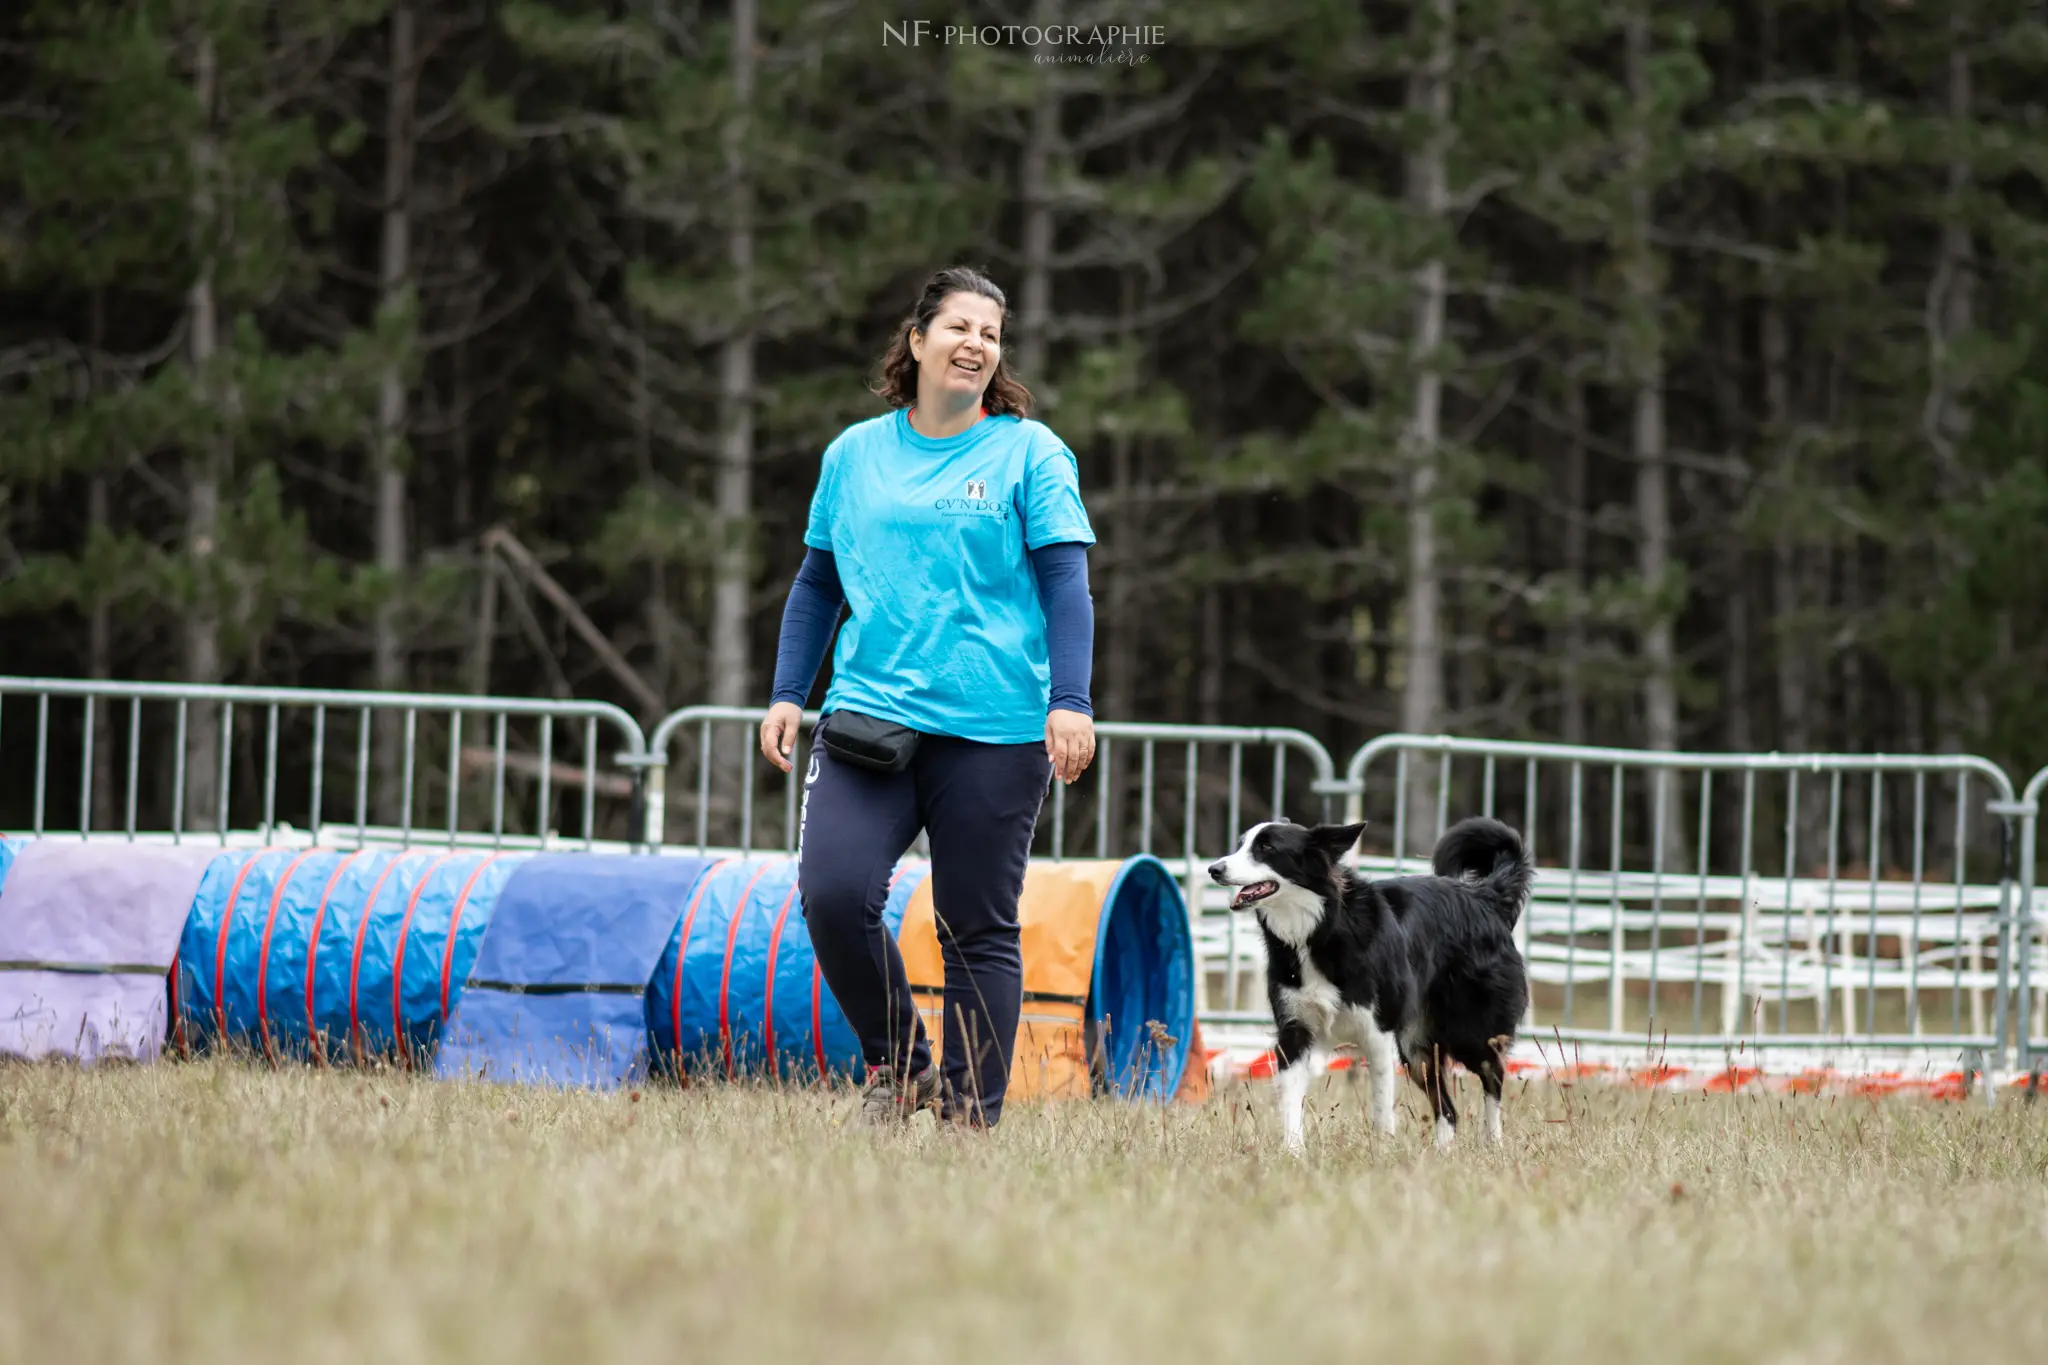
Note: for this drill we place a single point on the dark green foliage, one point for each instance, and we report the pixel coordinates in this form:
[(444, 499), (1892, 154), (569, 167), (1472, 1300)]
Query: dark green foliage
[(1845, 283)]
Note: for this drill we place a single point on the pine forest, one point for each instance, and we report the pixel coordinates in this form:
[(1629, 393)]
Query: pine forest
[(1669, 376)]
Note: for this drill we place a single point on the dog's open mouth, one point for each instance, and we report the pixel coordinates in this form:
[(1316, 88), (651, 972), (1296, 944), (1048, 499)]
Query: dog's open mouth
[(1257, 891)]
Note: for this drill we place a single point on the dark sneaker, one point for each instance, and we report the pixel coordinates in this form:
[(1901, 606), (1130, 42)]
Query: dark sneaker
[(886, 1100)]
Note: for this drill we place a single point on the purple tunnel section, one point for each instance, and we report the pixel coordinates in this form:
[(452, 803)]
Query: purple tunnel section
[(88, 932)]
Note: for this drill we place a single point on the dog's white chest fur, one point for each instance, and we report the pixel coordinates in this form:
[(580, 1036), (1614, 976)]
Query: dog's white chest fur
[(1315, 1002), (1321, 1008), (1292, 913)]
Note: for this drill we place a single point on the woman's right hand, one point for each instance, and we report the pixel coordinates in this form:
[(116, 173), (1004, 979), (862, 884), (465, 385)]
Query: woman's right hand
[(779, 730)]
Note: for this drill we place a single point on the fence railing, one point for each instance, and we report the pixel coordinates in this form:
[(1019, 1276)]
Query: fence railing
[(2031, 968), (1179, 792), (153, 760), (1815, 901), (1742, 901), (1144, 808)]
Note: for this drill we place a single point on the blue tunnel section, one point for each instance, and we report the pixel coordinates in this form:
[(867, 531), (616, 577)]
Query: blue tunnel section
[(1144, 971), (330, 955), (738, 982), (557, 994), (595, 969)]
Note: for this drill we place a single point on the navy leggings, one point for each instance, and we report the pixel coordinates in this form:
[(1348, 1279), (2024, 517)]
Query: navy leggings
[(979, 804)]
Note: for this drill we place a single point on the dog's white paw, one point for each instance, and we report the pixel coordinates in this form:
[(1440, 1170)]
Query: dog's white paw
[(1446, 1134)]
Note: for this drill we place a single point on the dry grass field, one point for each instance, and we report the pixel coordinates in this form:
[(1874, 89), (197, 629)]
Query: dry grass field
[(217, 1212)]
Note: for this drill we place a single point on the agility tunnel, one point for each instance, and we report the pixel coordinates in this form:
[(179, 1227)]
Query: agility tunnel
[(87, 937), (739, 985), (318, 954), (557, 993), (579, 968), (1108, 979)]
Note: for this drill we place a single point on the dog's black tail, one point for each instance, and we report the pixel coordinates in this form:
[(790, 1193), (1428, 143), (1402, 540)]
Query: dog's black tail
[(1493, 853)]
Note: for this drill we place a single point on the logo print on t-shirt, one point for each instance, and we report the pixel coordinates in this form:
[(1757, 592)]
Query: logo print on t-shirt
[(976, 504)]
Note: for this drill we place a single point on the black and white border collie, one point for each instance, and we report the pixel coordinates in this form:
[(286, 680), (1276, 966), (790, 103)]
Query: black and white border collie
[(1424, 967)]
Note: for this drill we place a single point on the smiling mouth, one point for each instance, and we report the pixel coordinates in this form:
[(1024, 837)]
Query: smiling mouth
[(968, 366), (1257, 891)]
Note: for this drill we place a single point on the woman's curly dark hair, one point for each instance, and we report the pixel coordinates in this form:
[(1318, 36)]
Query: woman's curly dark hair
[(898, 383)]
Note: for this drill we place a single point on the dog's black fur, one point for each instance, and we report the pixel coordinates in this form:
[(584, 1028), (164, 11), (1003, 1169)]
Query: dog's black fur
[(1431, 959)]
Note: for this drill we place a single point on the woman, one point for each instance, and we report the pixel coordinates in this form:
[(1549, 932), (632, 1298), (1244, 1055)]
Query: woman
[(952, 527)]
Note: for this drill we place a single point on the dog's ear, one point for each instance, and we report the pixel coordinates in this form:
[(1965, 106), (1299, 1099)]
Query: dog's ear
[(1336, 840)]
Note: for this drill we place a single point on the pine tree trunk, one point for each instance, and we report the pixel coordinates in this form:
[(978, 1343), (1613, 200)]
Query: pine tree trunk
[(661, 625), (1379, 601), (732, 498), (1209, 702), (100, 624), (1034, 294), (1735, 675), (1951, 293), (205, 467), (465, 510), (1850, 715), (1575, 563), (1951, 313), (1644, 343), (1118, 630), (728, 670), (1422, 697), (388, 650), (100, 666), (1125, 554), (1795, 730), (1735, 700), (484, 634)]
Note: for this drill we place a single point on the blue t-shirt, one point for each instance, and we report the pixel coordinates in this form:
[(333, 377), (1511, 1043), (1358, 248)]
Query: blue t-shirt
[(933, 540)]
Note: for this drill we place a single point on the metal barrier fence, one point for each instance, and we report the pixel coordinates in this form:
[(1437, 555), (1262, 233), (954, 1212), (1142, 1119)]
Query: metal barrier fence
[(1742, 902), (2031, 968), (1849, 903), (1185, 805), (1128, 811), (198, 772)]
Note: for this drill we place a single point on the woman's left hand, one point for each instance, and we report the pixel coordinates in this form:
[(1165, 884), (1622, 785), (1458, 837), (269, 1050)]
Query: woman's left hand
[(1069, 743)]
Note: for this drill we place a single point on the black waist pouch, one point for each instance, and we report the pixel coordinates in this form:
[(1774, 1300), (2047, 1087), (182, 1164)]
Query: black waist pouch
[(865, 741)]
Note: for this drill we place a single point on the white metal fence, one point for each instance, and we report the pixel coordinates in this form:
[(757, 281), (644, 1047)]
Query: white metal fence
[(1832, 905), (2030, 964), (1847, 904), (137, 759), (1178, 792)]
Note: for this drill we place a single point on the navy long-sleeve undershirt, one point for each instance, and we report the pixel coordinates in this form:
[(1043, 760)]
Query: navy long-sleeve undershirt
[(815, 599)]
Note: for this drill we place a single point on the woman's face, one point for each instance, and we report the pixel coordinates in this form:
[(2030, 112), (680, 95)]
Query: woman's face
[(957, 355)]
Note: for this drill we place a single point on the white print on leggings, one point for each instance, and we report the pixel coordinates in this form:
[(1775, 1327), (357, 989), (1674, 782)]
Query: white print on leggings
[(803, 819)]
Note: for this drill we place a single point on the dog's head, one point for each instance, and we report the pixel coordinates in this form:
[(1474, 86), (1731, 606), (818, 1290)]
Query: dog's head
[(1279, 856)]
